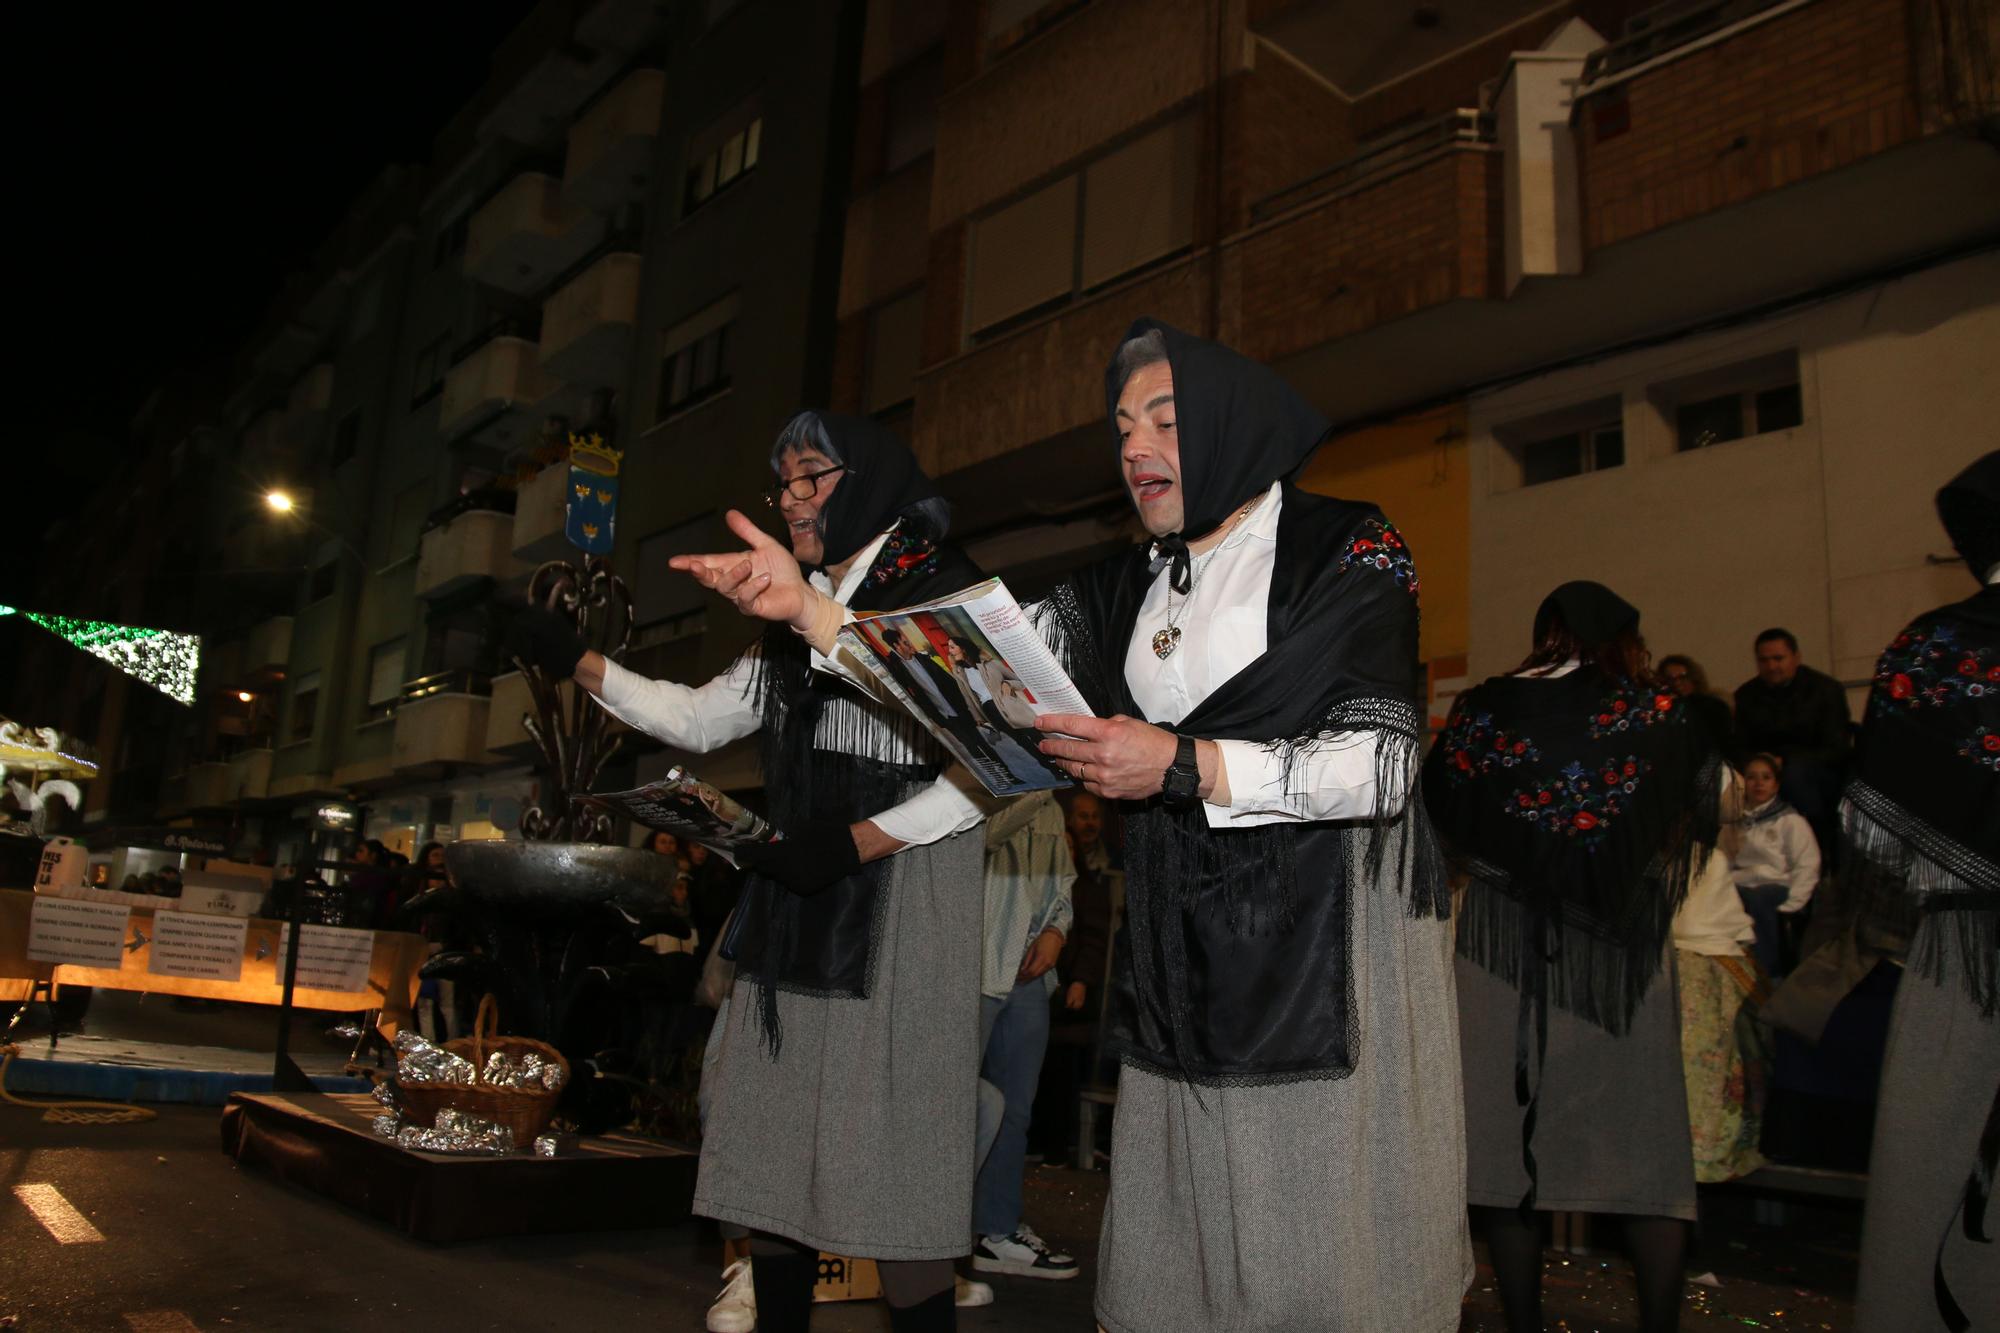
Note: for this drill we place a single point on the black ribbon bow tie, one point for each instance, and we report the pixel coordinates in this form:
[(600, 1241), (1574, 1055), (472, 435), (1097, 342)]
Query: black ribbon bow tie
[(1173, 550)]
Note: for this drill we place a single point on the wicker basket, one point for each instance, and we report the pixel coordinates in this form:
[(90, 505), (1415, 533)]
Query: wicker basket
[(526, 1113)]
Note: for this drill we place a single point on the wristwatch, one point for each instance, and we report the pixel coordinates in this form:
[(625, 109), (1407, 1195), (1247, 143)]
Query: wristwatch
[(1181, 784)]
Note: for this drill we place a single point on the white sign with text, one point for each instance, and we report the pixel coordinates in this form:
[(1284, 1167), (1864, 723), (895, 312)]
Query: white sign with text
[(188, 944), (330, 957), (67, 930)]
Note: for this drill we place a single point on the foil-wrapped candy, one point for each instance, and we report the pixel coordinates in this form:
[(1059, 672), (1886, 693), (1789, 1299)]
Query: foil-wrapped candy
[(386, 1126), (471, 1133), (386, 1093), (546, 1145), (421, 1062), (346, 1031), (529, 1072)]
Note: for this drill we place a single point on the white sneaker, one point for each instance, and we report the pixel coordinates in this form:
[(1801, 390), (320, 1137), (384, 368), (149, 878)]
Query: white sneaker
[(735, 1310), (1023, 1254), (969, 1292)]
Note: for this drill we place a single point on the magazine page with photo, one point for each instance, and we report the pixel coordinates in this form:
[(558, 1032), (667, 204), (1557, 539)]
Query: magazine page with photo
[(974, 670)]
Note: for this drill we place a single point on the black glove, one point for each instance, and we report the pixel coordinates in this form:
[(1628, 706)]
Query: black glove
[(811, 858), (545, 639)]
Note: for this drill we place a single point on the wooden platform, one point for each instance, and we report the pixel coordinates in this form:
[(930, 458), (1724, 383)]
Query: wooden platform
[(324, 1144)]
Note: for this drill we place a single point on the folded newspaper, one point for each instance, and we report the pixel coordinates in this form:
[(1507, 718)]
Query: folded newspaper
[(973, 669), (682, 804)]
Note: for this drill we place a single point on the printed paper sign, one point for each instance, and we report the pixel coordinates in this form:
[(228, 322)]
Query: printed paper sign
[(68, 930), (330, 957), (187, 944)]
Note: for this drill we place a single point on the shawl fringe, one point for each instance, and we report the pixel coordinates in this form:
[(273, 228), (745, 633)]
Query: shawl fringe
[(1903, 875)]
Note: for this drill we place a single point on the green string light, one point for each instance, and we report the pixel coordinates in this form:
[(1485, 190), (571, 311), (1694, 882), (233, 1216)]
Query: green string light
[(161, 658)]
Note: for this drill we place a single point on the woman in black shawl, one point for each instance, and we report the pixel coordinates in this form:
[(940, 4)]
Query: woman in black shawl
[(1920, 827), (1285, 1152), (1577, 798), (843, 1116)]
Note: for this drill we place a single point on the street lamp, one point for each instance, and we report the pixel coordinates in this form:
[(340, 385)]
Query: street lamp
[(279, 502)]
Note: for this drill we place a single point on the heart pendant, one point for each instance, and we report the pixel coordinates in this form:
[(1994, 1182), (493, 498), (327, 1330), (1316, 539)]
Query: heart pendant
[(1165, 641)]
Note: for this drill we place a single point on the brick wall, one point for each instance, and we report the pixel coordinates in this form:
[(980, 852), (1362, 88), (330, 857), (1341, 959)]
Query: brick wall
[(1802, 94), (1413, 240), (1045, 379), (1112, 67), (1281, 125)]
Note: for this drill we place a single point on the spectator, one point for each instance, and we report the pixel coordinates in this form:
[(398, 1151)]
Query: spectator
[(1077, 1003), (170, 882), (1799, 714), (1710, 710), (663, 843), (430, 867), (1028, 877), (1724, 1060), (371, 890), (1084, 819), (1775, 862)]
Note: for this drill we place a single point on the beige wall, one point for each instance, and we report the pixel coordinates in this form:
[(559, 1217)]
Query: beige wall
[(1826, 528)]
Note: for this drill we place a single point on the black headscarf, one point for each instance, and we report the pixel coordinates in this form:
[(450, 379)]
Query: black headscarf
[(1920, 822), (1594, 613), (1579, 805), (1242, 430), (1237, 971), (829, 750)]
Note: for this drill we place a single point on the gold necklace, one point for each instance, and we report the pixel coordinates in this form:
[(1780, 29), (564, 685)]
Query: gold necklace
[(1168, 639)]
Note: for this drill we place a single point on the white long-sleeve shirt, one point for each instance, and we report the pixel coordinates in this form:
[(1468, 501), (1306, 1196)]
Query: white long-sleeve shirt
[(1779, 850), (1223, 630), (1711, 920), (706, 717)]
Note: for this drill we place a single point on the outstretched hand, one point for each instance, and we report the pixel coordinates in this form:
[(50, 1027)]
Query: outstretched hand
[(764, 581)]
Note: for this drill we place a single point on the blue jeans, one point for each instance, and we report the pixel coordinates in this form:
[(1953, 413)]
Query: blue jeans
[(1015, 1032)]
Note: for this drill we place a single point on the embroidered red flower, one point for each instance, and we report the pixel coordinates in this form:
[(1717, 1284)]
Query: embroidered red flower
[(1520, 747), (1992, 742), (1619, 705), (1544, 798), (1604, 719), (1631, 769), (1585, 820), (1900, 686), (1969, 667), (1663, 702), (1463, 760), (1363, 544), (1523, 797), (1610, 778)]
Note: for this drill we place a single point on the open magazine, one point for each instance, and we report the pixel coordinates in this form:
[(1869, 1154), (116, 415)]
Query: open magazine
[(682, 804), (975, 671)]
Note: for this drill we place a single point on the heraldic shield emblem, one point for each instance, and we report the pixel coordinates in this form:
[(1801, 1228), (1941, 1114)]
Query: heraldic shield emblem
[(592, 501)]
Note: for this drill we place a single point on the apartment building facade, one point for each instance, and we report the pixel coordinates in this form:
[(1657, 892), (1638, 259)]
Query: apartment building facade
[(1688, 298)]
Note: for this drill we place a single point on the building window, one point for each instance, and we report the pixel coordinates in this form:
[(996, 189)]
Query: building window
[(1591, 449), (385, 678), (722, 155), (696, 358), (1131, 207), (346, 438), (305, 706), (1735, 403), (433, 360)]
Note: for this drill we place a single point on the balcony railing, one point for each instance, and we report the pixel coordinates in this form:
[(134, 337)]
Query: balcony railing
[(524, 235), (490, 392), (1397, 152), (471, 546), (541, 508), (1667, 27), (485, 500), (587, 324), (441, 724), (611, 144)]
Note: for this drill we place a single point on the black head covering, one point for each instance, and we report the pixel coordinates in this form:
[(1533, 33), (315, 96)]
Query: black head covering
[(1969, 508), (883, 481), (1593, 612), (1240, 426)]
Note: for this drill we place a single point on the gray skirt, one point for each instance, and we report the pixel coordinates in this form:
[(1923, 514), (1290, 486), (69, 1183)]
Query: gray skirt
[(1938, 1084), (858, 1138), (1611, 1122), (1326, 1205)]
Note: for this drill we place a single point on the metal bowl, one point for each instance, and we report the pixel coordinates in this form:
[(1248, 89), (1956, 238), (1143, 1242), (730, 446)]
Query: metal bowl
[(557, 876)]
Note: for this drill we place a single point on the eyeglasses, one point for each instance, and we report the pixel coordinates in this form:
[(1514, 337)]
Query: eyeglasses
[(809, 482)]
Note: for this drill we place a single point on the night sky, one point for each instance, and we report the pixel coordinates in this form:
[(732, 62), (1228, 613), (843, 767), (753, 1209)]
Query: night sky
[(172, 164)]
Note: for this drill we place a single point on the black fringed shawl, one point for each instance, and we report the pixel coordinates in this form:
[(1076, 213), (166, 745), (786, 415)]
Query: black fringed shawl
[(1920, 821), (1579, 806), (831, 751), (1237, 970)]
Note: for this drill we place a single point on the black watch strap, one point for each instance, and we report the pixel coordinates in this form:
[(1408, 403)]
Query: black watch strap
[(1181, 784)]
